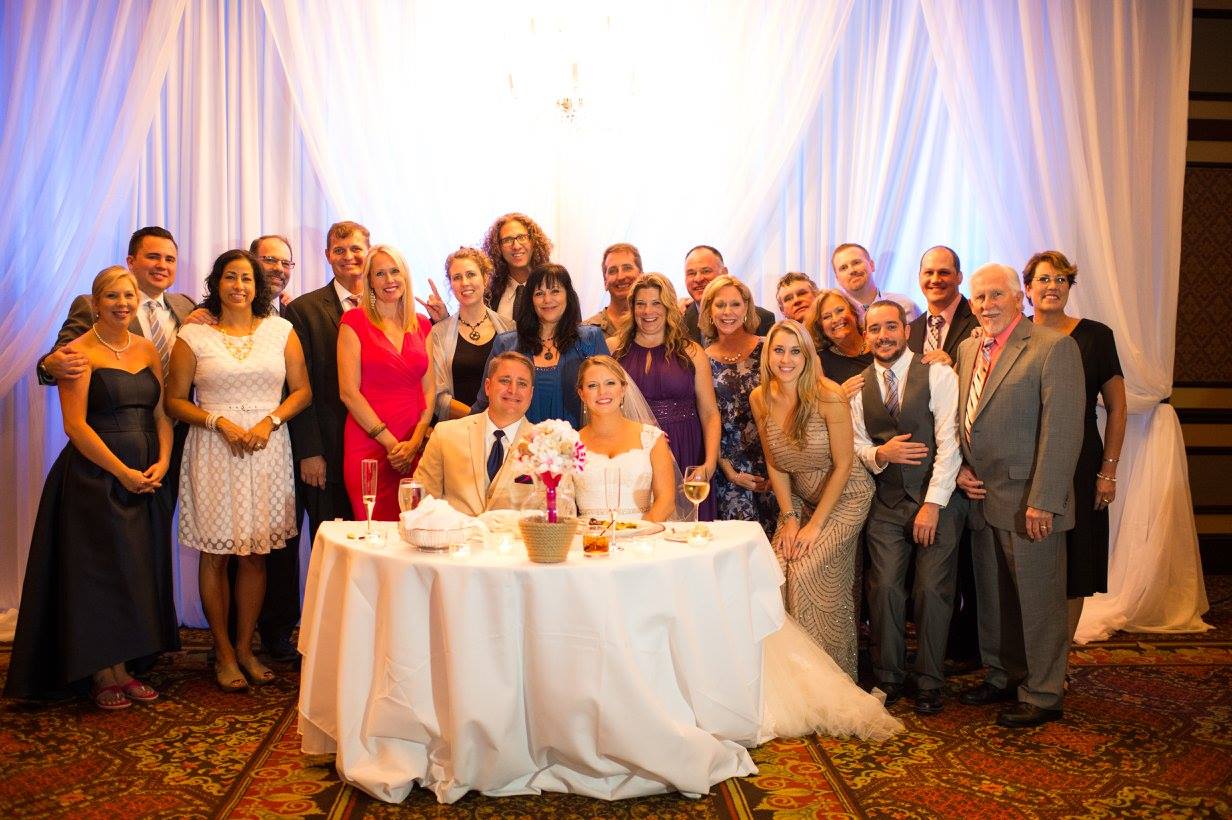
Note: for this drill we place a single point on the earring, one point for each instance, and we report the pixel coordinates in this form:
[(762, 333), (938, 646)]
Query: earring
[(372, 299)]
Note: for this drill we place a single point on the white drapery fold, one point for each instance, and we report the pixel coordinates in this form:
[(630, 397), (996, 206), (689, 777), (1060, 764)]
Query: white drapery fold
[(73, 129), (679, 147), (1069, 111), (880, 164)]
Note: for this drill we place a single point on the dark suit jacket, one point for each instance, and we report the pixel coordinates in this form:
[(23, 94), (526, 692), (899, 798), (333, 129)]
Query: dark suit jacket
[(765, 321), (81, 318), (318, 430), (1027, 428), (964, 322)]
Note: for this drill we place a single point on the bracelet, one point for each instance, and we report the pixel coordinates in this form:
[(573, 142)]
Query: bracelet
[(783, 516), (211, 421), (1111, 478), (1111, 460), (376, 431)]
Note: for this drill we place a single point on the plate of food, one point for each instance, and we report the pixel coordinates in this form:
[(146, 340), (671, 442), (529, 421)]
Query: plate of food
[(626, 527)]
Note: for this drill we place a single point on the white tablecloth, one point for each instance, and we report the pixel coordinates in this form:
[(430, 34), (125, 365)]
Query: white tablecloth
[(609, 677)]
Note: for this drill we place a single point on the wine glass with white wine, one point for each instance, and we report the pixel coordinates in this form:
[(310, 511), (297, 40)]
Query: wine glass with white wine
[(367, 488), (696, 487)]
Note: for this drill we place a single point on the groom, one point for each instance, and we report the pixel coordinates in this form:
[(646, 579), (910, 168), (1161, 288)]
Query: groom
[(466, 461)]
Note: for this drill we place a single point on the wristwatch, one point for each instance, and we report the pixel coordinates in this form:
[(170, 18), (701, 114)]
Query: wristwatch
[(277, 421)]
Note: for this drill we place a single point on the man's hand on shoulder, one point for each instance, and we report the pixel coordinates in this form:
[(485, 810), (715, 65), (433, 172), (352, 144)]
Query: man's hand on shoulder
[(65, 364)]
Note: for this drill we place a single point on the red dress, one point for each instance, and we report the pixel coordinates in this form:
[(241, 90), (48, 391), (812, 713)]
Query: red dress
[(392, 382)]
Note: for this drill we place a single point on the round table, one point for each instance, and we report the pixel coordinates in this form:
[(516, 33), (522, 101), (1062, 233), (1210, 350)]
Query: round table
[(614, 677)]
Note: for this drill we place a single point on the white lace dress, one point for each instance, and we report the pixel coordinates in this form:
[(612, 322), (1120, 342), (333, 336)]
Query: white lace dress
[(231, 505), (803, 690)]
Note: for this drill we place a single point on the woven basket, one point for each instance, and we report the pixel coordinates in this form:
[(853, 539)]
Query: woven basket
[(547, 543)]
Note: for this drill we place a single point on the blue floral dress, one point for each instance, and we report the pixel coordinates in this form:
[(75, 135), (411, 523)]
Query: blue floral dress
[(740, 443)]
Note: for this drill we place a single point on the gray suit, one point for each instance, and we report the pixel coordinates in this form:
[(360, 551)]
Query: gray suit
[(1024, 444), (901, 490)]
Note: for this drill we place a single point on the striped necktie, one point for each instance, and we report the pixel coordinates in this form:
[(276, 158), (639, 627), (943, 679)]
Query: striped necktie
[(977, 385), (892, 403), (935, 323), (158, 336)]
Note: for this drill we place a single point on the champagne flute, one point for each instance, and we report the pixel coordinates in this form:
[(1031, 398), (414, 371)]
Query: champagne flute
[(367, 488), (611, 497), (696, 487)]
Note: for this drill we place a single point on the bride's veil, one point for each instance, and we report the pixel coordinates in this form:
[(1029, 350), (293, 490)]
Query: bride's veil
[(636, 407)]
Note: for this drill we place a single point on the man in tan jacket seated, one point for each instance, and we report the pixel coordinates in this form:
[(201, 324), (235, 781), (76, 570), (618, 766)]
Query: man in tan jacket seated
[(467, 460)]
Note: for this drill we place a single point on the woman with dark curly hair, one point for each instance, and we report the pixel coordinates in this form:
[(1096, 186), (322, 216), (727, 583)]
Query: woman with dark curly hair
[(516, 244), (237, 485), (550, 333), (673, 373)]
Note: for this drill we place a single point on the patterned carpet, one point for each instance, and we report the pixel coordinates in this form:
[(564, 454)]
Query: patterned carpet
[(1145, 735)]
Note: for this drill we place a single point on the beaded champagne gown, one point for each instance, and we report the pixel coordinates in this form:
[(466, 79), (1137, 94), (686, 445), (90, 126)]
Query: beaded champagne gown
[(819, 584), (803, 689)]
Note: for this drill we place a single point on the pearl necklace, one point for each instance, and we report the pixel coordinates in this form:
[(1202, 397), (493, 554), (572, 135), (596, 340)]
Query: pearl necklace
[(128, 340)]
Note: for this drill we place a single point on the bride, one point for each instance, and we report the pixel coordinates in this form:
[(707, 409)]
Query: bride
[(803, 689)]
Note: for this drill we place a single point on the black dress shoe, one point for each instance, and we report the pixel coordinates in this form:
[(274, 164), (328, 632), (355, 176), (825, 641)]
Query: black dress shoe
[(281, 650), (928, 702), (986, 693), (1026, 715), (893, 692)]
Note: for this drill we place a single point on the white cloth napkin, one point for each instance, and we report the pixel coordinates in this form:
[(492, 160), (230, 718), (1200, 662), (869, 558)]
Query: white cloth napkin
[(436, 514)]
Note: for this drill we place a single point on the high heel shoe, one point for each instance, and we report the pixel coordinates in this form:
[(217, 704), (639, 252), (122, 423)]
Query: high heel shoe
[(229, 682), (257, 672)]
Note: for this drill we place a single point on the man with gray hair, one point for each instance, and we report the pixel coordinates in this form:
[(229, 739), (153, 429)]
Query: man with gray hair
[(795, 293), (1020, 412)]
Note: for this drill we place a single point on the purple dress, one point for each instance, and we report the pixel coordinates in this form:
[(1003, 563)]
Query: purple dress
[(668, 388)]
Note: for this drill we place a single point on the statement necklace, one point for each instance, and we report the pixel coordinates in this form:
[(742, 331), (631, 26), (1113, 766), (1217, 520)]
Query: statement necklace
[(239, 350), (474, 334), (128, 340)]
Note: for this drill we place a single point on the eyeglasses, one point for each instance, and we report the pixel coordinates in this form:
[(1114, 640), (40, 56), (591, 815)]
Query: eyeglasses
[(1060, 279), (285, 264), (510, 241)]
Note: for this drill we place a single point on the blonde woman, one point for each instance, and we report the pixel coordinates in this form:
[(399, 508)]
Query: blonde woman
[(823, 491), (385, 380), (728, 316), (673, 373), (638, 451), (97, 592)]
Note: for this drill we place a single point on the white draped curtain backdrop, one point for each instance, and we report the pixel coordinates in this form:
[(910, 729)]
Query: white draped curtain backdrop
[(773, 131)]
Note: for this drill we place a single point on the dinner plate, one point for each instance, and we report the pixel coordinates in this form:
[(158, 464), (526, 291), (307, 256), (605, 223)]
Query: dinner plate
[(626, 528)]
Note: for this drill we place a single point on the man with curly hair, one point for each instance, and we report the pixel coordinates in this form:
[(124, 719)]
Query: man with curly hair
[(515, 243)]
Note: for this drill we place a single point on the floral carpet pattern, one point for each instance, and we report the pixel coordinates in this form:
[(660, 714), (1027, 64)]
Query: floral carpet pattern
[(1145, 735)]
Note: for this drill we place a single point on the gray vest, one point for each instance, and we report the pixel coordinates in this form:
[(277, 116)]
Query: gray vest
[(899, 481)]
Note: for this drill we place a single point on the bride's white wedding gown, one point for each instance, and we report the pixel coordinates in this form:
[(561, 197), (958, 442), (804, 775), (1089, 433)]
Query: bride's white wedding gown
[(803, 689)]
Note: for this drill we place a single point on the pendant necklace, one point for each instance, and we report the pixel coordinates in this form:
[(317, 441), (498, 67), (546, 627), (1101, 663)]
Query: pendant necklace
[(128, 340), (547, 353), (474, 334)]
